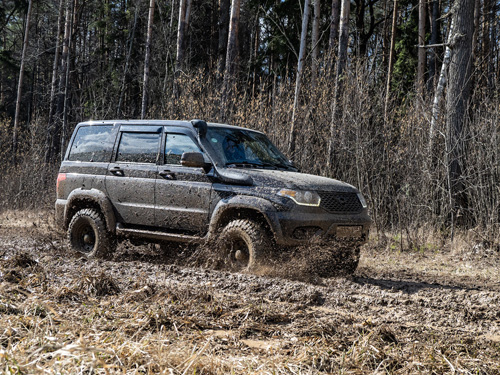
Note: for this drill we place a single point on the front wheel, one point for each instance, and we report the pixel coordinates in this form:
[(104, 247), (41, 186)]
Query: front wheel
[(88, 235), (244, 245)]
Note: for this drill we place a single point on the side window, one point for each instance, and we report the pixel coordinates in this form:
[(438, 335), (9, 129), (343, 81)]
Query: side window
[(138, 147), (92, 143), (176, 145)]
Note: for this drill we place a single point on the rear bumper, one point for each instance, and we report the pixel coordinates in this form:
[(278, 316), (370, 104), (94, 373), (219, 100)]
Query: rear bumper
[(60, 207)]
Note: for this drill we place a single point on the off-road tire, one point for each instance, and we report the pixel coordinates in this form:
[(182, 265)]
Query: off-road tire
[(88, 235), (250, 239)]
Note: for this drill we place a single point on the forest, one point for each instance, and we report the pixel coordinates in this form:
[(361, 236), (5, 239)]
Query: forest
[(397, 97)]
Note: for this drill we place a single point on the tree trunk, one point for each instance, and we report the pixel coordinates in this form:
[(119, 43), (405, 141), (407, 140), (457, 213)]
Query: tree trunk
[(300, 68), (231, 57), (51, 128), (223, 32), (20, 83), (486, 43), (60, 99), (147, 59), (440, 87), (64, 129), (341, 64), (182, 27), (391, 59), (184, 7), (334, 25), (314, 42), (127, 60), (458, 94), (421, 49), (434, 40)]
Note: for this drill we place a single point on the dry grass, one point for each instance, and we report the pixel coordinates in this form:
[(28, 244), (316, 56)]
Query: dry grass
[(426, 311)]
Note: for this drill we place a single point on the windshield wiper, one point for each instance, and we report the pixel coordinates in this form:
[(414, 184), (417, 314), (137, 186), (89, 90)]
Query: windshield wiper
[(285, 166), (246, 163)]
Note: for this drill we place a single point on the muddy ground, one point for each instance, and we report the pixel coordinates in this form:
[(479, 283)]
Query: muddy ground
[(432, 310)]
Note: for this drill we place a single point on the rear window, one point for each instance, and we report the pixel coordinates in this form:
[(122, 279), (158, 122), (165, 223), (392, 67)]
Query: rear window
[(92, 143)]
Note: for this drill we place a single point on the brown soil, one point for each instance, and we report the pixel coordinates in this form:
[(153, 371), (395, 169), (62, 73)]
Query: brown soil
[(432, 311)]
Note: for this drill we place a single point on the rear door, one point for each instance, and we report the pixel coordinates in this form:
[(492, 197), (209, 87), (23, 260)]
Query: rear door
[(130, 180), (182, 193)]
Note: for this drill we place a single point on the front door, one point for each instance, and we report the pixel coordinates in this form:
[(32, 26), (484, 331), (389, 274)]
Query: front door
[(130, 180), (182, 193)]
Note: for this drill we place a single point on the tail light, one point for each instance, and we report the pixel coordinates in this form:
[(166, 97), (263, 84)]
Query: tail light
[(60, 178)]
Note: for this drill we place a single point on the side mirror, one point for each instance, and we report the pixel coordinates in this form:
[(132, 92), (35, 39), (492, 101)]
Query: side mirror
[(193, 160)]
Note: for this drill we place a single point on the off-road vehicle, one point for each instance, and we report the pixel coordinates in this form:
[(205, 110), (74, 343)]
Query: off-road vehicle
[(189, 181)]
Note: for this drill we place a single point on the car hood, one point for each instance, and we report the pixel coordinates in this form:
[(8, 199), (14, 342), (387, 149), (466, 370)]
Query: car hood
[(292, 180)]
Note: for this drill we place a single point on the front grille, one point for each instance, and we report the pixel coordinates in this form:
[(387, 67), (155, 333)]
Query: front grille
[(338, 202)]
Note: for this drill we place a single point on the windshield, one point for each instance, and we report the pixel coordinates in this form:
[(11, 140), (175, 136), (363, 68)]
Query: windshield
[(243, 148)]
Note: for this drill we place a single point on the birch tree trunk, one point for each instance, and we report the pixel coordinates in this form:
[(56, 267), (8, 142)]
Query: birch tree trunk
[(421, 49), (20, 83), (341, 64), (434, 40), (231, 57), (440, 87), (300, 68), (147, 59)]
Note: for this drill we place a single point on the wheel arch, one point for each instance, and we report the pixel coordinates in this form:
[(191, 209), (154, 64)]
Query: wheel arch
[(252, 208), (80, 199)]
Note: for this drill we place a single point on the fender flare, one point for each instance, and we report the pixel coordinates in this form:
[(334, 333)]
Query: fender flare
[(95, 196), (259, 205)]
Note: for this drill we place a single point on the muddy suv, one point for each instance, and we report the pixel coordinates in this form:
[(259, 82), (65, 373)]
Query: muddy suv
[(189, 181)]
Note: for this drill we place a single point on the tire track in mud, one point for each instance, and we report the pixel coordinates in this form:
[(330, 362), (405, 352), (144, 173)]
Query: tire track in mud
[(397, 307), (367, 296)]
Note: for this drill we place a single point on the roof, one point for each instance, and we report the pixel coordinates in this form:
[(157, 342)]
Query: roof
[(182, 123)]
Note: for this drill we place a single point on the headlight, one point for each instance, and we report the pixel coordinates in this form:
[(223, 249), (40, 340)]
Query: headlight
[(362, 200), (304, 198)]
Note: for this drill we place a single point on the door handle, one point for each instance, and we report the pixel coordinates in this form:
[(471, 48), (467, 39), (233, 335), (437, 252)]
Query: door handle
[(117, 171), (167, 174)]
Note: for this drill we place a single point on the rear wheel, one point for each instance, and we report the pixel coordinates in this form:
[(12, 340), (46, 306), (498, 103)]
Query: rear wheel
[(88, 235), (244, 245)]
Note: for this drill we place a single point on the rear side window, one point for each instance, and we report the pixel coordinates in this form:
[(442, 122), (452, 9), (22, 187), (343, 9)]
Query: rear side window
[(92, 143), (138, 147), (176, 145)]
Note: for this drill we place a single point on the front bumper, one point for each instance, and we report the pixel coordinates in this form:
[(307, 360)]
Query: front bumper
[(303, 225)]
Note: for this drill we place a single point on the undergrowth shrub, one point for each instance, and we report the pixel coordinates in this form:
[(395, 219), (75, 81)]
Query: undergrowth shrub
[(386, 157)]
